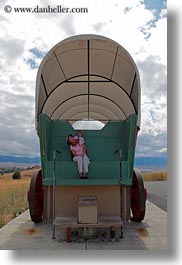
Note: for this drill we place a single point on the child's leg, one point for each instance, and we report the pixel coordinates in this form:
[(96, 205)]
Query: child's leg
[(78, 159), (86, 163)]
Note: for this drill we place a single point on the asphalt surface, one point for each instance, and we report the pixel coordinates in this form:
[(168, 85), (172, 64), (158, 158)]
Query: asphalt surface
[(157, 193)]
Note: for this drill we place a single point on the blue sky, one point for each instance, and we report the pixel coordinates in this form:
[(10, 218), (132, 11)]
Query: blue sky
[(155, 4), (139, 26)]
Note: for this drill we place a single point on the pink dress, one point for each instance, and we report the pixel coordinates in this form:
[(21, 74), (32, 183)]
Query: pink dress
[(77, 148), (81, 158)]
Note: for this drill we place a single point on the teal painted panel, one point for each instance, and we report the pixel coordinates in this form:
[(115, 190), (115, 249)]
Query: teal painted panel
[(60, 144), (64, 170), (45, 136), (126, 178), (130, 130), (111, 129), (62, 129), (100, 170), (101, 145), (99, 149), (82, 182), (104, 169), (105, 172)]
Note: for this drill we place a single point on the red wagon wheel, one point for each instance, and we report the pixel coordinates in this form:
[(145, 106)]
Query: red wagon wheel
[(35, 197), (138, 197)]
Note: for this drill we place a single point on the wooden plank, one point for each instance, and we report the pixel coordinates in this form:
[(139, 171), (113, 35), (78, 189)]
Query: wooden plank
[(103, 221)]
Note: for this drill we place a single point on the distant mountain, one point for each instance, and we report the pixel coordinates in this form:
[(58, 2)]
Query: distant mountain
[(144, 163), (151, 163), (20, 160)]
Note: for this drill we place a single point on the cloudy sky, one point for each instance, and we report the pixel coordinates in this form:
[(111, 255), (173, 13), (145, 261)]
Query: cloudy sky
[(138, 25)]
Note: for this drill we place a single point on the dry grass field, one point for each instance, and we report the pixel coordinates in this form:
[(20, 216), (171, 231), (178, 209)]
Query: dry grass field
[(13, 195), (155, 176)]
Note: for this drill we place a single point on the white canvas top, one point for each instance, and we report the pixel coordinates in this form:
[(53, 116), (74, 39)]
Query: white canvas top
[(88, 77)]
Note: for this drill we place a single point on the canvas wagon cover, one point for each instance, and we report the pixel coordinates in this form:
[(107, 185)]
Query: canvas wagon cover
[(88, 77)]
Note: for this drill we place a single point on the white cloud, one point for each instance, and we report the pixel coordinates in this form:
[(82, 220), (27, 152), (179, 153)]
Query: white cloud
[(127, 22)]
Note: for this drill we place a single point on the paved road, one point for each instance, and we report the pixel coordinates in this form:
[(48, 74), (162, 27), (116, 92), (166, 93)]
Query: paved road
[(157, 193)]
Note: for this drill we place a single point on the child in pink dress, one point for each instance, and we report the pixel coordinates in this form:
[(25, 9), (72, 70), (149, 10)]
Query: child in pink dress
[(79, 136)]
